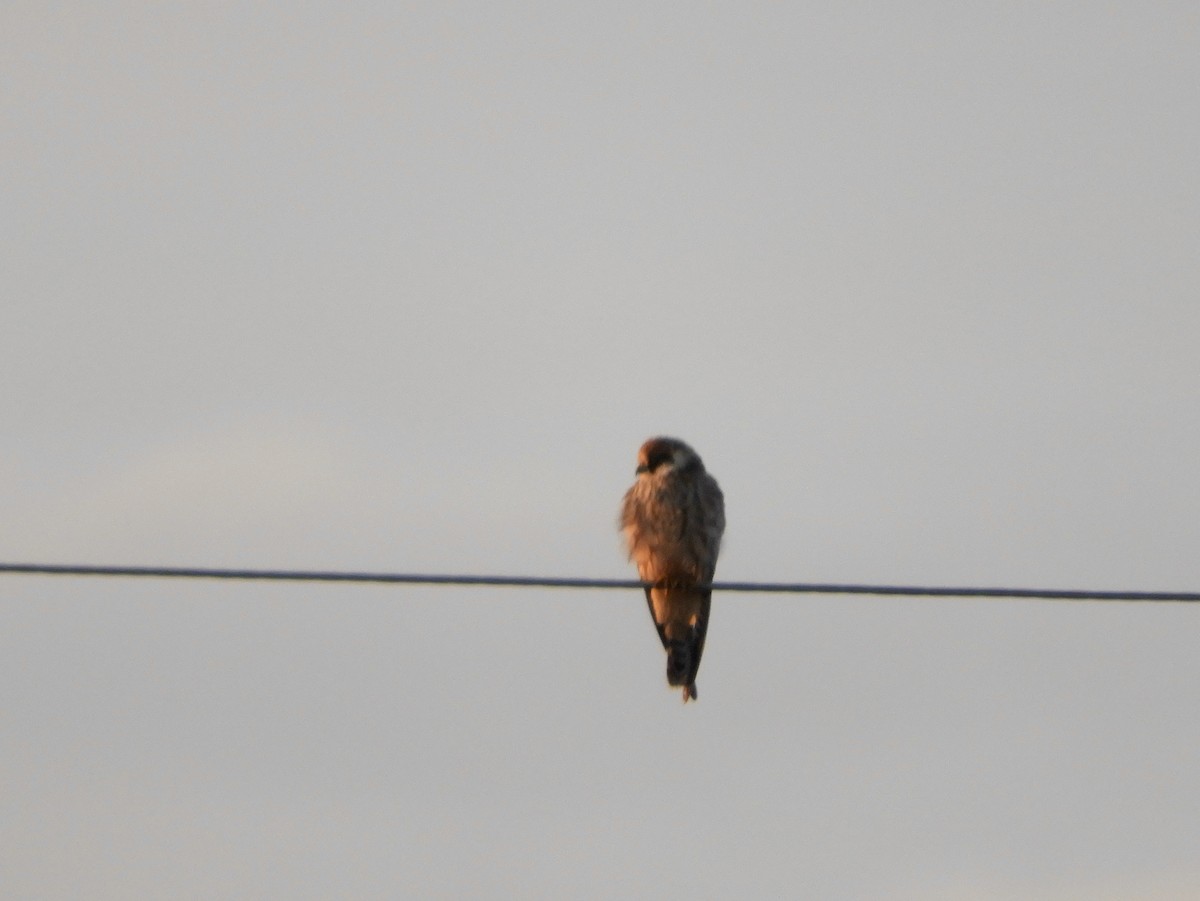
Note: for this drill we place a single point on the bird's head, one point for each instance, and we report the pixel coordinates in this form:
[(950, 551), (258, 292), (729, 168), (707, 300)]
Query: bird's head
[(659, 455)]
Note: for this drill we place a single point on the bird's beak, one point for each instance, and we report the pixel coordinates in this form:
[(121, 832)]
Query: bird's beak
[(641, 469)]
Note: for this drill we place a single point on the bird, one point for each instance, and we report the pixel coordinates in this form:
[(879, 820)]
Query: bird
[(672, 519)]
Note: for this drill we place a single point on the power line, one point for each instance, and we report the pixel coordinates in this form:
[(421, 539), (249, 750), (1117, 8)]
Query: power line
[(285, 575)]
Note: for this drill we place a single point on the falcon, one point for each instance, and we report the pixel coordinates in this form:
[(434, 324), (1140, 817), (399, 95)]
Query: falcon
[(672, 519)]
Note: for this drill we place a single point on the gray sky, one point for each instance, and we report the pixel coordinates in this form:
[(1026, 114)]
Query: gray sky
[(403, 287)]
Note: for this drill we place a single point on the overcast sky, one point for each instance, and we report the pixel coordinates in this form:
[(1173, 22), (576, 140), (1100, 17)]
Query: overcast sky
[(403, 287)]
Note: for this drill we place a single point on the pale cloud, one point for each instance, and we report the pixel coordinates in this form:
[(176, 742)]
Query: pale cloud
[(205, 493), (403, 287)]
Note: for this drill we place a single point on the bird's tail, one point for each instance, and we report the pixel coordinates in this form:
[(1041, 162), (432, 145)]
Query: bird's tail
[(680, 671), (681, 614)]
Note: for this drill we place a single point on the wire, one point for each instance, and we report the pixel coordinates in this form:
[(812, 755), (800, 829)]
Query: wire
[(282, 575)]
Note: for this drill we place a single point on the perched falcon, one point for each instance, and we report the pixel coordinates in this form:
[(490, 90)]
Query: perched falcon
[(672, 518)]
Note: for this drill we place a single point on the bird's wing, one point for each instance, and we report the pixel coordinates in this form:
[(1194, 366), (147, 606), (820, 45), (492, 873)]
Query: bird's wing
[(662, 634), (701, 631)]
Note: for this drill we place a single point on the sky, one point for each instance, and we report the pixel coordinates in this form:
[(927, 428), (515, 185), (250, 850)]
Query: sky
[(403, 287)]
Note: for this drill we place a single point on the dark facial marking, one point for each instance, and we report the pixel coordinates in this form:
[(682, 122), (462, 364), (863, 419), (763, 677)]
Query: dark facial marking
[(657, 455)]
